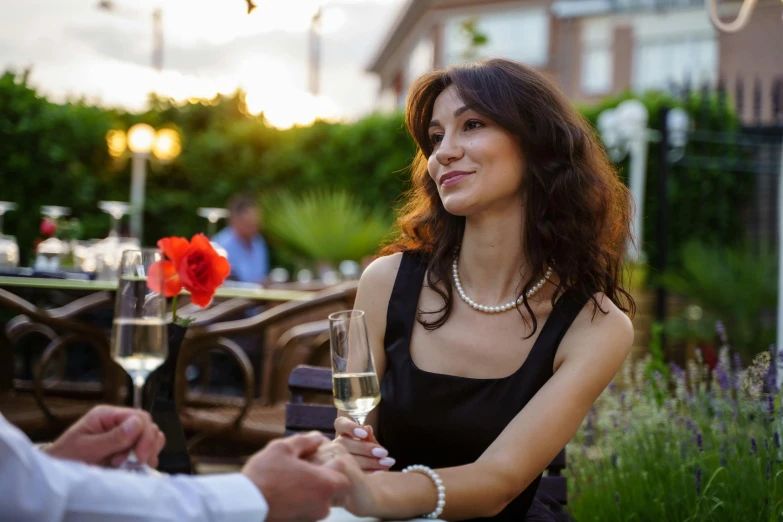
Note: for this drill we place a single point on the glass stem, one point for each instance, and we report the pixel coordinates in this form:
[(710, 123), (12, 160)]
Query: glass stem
[(359, 419), (138, 388)]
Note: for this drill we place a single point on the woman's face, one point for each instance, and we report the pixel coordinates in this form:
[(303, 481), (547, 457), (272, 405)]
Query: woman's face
[(476, 164)]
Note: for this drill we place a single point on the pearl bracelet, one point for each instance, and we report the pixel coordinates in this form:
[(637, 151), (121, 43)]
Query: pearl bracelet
[(424, 470)]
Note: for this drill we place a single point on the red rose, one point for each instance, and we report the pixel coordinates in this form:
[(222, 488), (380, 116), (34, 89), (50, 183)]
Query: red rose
[(193, 265), (48, 227)]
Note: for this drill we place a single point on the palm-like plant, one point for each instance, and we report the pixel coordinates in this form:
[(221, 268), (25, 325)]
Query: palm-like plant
[(735, 285), (324, 226)]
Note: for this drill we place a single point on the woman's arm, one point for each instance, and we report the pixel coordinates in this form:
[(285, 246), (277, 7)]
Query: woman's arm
[(373, 294), (592, 352)]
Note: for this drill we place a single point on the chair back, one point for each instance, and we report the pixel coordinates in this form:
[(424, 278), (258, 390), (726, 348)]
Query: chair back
[(301, 416)]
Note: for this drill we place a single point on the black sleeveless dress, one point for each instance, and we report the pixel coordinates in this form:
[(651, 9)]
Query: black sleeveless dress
[(442, 420)]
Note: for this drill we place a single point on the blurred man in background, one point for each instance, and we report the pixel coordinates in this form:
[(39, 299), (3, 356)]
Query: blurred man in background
[(247, 250)]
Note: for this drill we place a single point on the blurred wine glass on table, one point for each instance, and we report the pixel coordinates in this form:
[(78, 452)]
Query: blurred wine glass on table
[(116, 209), (55, 212), (213, 215), (9, 249)]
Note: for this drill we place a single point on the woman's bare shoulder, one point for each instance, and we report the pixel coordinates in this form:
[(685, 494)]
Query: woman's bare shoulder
[(607, 329), (383, 270)]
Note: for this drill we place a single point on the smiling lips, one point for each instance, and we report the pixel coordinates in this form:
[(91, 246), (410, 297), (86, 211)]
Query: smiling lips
[(452, 178)]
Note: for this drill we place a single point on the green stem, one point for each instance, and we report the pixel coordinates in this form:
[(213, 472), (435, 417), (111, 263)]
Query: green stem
[(174, 309)]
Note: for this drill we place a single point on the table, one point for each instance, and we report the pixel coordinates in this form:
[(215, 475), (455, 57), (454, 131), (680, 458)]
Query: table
[(341, 515), (224, 292)]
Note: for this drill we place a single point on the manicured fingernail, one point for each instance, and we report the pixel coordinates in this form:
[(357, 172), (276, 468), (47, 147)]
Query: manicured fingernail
[(361, 433), (130, 426), (387, 462), (380, 452)]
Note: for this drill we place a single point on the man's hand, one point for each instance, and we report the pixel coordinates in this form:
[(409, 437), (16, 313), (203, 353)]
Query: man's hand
[(293, 488), (105, 436)]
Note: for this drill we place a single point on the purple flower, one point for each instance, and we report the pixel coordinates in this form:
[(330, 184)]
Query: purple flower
[(771, 407), (722, 377), (613, 416), (772, 373), (699, 442), (777, 440), (737, 362), (753, 448), (612, 387), (698, 482)]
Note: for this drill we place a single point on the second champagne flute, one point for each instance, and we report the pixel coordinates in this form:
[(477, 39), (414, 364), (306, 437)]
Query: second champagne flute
[(354, 380), (139, 341)]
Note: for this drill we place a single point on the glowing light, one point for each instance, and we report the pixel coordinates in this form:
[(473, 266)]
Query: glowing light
[(167, 145), (117, 143), (141, 138)]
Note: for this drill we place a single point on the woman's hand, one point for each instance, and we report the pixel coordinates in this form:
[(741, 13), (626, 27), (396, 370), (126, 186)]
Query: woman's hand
[(360, 442), (363, 498)]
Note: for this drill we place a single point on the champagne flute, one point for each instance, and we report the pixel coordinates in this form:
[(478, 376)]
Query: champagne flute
[(139, 341), (354, 381)]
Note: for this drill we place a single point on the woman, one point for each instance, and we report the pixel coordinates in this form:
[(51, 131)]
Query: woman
[(498, 317)]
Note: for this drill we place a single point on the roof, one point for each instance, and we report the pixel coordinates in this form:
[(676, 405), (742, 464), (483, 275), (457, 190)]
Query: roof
[(405, 20)]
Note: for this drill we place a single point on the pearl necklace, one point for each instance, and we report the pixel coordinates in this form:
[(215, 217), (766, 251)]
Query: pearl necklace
[(494, 309)]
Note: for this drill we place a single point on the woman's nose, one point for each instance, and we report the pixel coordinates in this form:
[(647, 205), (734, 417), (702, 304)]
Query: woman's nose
[(448, 151)]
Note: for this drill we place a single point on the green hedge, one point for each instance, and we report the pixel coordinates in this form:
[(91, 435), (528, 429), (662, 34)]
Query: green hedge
[(56, 154)]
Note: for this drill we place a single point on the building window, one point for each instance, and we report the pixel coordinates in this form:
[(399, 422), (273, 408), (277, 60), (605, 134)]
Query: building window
[(421, 60), (597, 67), (661, 64), (597, 70), (521, 35), (673, 48)]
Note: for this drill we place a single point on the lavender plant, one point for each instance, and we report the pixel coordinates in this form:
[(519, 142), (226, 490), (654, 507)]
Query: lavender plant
[(709, 451)]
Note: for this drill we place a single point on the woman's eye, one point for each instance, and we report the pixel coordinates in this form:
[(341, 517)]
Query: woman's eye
[(436, 138), (473, 124)]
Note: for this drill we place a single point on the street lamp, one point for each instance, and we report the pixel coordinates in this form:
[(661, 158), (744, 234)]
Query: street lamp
[(624, 133), (144, 142)]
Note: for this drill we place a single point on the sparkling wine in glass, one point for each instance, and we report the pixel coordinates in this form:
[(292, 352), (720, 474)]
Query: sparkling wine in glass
[(139, 341), (354, 381)]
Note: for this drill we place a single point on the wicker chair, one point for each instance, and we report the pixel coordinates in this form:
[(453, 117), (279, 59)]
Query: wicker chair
[(43, 407), (249, 420)]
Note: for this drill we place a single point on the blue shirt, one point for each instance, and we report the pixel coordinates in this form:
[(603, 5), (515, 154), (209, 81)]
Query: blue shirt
[(250, 265)]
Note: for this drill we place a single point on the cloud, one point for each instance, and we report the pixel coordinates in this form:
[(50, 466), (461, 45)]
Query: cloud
[(85, 51)]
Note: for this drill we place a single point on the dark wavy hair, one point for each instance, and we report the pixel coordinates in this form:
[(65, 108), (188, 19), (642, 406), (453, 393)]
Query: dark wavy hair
[(577, 211)]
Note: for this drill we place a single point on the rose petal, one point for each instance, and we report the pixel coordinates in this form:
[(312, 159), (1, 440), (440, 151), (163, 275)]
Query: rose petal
[(174, 248), (221, 268), (164, 273), (201, 299), (202, 242)]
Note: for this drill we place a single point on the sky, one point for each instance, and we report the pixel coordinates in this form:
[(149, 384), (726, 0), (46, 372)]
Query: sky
[(75, 49)]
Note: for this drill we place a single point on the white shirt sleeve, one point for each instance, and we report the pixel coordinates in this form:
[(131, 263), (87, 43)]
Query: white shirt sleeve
[(36, 487)]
